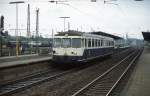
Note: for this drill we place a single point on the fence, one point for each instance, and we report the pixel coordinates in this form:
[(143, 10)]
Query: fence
[(11, 51)]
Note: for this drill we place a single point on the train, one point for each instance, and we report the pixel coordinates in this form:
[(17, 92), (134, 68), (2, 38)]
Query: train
[(73, 46)]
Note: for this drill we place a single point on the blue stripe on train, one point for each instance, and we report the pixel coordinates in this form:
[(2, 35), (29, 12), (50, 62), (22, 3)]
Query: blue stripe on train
[(88, 53), (66, 59)]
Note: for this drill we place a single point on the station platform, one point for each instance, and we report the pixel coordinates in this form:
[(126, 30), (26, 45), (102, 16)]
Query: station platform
[(139, 82), (11, 61)]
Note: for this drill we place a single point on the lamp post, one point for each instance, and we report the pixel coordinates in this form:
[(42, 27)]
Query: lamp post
[(16, 31), (64, 21), (60, 2)]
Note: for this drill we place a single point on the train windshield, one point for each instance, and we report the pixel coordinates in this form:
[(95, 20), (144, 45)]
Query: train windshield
[(57, 42), (66, 42), (76, 42)]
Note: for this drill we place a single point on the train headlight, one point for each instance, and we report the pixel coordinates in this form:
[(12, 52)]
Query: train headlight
[(73, 53), (54, 52)]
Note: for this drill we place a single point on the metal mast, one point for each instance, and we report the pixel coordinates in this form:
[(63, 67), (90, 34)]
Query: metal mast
[(37, 30), (1, 30), (28, 22)]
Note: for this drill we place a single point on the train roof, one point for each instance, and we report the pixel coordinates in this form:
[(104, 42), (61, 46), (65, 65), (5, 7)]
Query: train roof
[(77, 33), (146, 36)]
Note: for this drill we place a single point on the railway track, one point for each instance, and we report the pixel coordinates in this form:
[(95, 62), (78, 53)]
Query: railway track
[(34, 80), (31, 81), (20, 70), (71, 83), (104, 84)]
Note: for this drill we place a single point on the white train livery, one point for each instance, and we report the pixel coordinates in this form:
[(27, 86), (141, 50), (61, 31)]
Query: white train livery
[(80, 47)]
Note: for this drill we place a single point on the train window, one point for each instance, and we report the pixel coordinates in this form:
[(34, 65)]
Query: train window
[(82, 42), (85, 42), (89, 42), (103, 44), (112, 43), (99, 43), (107, 42), (66, 42), (76, 43), (93, 41), (57, 42)]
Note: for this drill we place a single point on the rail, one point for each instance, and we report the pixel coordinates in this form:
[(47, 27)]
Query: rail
[(107, 85)]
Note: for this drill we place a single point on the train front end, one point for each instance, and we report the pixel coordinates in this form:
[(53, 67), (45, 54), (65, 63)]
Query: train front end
[(67, 49)]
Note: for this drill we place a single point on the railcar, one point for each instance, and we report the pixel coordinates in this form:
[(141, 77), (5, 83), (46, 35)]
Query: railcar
[(80, 47)]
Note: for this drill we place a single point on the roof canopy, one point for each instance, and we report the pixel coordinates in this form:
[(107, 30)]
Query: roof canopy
[(107, 35)]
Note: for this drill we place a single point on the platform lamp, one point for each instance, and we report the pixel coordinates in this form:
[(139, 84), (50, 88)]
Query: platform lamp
[(16, 31), (60, 2), (64, 21)]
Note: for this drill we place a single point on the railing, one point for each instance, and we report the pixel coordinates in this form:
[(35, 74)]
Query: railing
[(12, 51)]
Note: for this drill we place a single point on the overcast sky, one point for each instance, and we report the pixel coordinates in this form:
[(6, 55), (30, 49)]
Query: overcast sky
[(120, 18)]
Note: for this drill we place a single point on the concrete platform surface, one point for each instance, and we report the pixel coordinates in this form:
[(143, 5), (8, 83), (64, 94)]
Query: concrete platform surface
[(24, 59), (139, 83)]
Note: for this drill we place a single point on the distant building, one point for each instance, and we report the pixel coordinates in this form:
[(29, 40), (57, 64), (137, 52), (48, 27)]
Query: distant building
[(146, 36)]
